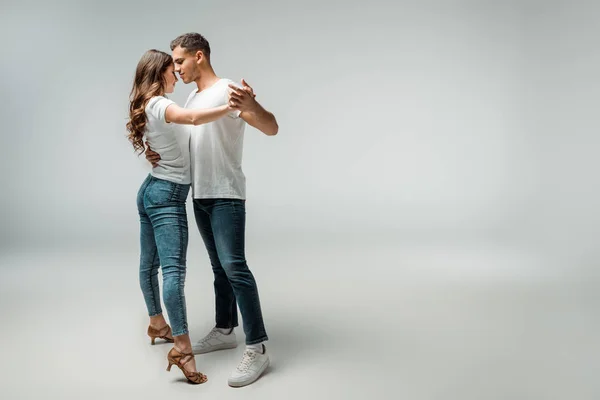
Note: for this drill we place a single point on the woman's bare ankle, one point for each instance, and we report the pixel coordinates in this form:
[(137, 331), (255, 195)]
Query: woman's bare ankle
[(183, 342), (158, 322)]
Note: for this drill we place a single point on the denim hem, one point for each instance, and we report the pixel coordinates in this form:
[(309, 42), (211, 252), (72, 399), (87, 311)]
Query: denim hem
[(227, 327), (179, 333), (155, 314), (256, 341)]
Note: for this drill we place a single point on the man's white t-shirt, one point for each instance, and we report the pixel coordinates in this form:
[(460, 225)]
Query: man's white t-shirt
[(216, 147), (168, 140)]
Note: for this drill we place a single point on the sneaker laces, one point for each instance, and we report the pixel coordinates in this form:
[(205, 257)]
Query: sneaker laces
[(247, 360)]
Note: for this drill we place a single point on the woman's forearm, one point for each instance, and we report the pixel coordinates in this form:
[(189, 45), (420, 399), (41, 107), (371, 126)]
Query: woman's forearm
[(203, 115)]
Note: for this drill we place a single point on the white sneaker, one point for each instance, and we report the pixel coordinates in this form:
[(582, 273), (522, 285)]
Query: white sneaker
[(215, 340), (253, 364)]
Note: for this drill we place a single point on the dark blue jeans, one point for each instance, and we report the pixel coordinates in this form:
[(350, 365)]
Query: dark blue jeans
[(163, 241), (222, 224)]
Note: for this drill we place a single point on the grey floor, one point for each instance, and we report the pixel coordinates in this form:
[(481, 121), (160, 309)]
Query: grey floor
[(385, 320)]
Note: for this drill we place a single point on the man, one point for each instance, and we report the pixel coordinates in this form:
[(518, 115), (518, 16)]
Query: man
[(219, 193)]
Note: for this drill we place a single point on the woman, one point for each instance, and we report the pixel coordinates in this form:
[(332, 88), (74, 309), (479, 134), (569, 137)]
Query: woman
[(161, 201)]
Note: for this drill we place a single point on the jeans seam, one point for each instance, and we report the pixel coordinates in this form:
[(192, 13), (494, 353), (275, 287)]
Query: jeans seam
[(180, 283), (150, 280), (182, 316), (174, 197)]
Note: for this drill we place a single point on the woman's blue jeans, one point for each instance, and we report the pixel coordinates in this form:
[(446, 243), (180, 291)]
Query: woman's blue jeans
[(164, 241)]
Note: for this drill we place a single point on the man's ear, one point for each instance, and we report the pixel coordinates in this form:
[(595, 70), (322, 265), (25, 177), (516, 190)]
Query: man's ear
[(199, 56)]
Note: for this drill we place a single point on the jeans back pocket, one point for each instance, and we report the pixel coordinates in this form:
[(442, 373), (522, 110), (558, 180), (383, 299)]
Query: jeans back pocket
[(160, 192)]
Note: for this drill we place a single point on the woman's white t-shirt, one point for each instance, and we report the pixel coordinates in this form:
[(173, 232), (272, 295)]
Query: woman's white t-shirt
[(171, 141)]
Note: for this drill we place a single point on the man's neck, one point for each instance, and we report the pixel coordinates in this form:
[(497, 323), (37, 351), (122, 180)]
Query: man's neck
[(206, 80)]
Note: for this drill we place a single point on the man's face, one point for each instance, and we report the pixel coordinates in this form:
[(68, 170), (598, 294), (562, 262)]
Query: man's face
[(186, 64)]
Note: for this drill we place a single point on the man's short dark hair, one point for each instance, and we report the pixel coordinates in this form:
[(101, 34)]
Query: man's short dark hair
[(191, 43)]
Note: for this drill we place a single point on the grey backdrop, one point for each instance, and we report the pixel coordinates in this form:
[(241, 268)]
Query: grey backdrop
[(437, 118), (400, 122), (433, 118)]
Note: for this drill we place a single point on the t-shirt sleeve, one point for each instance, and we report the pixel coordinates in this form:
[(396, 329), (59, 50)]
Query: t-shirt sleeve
[(157, 107)]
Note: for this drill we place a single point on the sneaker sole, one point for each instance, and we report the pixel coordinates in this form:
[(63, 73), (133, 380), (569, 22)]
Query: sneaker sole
[(223, 346), (246, 383)]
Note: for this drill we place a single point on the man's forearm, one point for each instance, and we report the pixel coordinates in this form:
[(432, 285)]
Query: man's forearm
[(261, 119)]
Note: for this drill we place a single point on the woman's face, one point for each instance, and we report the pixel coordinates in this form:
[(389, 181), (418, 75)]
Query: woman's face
[(170, 79)]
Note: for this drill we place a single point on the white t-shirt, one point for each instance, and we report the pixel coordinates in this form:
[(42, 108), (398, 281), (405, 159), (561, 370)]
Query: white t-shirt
[(216, 147), (171, 141)]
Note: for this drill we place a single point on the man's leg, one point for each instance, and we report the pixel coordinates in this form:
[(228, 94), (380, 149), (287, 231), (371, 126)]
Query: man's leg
[(228, 219), (226, 317)]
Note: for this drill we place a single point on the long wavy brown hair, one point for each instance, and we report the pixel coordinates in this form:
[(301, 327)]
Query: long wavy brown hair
[(149, 82)]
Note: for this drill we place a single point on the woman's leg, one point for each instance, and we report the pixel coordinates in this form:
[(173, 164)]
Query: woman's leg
[(165, 204), (149, 263)]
